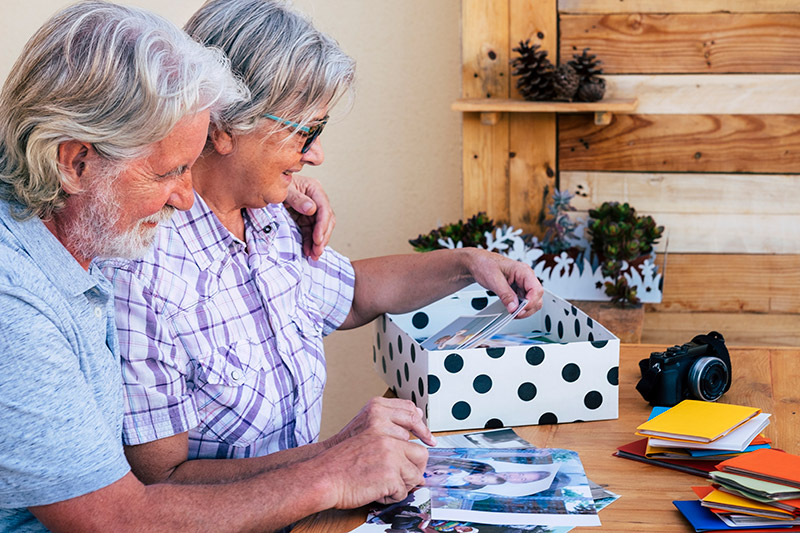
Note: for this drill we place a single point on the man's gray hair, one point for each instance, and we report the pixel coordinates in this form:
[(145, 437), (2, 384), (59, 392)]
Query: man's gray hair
[(292, 69), (117, 77)]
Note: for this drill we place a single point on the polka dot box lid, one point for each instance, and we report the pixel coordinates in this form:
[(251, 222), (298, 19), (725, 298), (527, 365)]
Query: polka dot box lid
[(572, 377)]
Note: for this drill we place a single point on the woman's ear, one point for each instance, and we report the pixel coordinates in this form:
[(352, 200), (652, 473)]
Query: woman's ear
[(222, 141), (73, 157)]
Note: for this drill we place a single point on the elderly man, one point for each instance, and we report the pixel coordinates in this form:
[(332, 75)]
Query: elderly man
[(105, 113)]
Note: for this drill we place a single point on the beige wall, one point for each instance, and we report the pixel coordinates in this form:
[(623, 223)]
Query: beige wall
[(393, 167)]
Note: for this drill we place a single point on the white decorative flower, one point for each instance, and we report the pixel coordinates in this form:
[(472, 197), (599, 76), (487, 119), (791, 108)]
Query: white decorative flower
[(563, 263), (449, 244)]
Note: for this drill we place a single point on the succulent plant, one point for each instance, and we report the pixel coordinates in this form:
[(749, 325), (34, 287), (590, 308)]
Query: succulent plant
[(469, 233), (619, 235), (560, 233)]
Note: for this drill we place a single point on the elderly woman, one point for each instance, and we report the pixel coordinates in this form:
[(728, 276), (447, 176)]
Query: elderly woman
[(221, 326)]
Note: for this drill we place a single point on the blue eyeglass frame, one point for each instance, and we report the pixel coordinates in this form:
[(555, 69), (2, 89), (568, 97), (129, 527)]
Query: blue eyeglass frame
[(310, 132)]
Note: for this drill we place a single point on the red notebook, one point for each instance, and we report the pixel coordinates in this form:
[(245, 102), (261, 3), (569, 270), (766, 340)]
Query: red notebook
[(636, 452), (767, 464)]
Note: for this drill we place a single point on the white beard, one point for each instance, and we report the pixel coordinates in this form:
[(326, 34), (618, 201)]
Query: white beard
[(90, 231)]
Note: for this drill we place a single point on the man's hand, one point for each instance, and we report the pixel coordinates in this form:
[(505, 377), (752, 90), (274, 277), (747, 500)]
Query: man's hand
[(391, 417), (312, 211), (508, 279), (368, 468)]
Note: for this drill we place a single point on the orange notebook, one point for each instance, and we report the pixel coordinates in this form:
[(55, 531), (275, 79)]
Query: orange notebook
[(767, 464)]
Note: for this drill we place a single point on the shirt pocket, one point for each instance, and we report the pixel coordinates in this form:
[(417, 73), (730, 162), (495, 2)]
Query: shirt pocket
[(235, 393), (308, 326)]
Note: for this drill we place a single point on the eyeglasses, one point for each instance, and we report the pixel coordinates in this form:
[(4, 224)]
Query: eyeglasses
[(309, 132)]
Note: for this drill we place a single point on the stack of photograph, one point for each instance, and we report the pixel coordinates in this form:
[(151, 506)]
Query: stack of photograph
[(758, 491), (695, 436)]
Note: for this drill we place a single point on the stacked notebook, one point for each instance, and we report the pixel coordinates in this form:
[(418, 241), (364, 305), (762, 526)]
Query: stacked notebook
[(757, 491), (694, 436)]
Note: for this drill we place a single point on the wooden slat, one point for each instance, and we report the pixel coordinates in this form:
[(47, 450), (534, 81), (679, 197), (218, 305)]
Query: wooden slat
[(738, 213), (787, 407), (739, 329), (732, 233), (677, 6), (664, 192), (485, 167), (532, 168), (636, 43), (731, 283), (532, 138), (681, 143), (733, 94), (727, 233), (536, 20), (484, 49), (485, 75)]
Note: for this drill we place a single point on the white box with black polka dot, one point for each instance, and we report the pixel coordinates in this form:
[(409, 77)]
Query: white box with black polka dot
[(570, 374)]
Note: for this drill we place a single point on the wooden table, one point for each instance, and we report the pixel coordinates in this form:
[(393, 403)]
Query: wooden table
[(768, 378)]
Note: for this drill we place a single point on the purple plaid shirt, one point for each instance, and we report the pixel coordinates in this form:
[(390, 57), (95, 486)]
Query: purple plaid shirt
[(223, 339)]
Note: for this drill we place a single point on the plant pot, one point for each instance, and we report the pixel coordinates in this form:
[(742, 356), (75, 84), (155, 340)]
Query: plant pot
[(626, 323)]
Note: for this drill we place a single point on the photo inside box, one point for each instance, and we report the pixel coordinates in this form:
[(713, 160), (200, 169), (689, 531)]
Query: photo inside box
[(558, 320), (574, 376)]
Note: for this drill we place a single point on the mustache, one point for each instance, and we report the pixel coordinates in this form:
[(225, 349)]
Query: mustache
[(161, 216)]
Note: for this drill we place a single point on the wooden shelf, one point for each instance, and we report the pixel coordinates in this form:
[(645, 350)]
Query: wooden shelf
[(490, 107)]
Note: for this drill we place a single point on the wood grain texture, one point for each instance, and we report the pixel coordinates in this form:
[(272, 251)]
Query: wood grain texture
[(485, 166), (731, 283), (484, 49), (786, 407), (638, 43), (485, 74), (762, 377), (681, 143), (532, 138), (518, 105), (738, 213), (677, 6), (739, 329), (665, 192), (731, 94), (534, 20), (532, 163)]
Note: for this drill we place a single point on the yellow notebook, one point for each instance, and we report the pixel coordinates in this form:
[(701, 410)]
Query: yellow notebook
[(697, 421)]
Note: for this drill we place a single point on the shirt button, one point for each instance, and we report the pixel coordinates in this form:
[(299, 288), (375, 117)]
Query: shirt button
[(236, 375), (267, 229), (98, 312)]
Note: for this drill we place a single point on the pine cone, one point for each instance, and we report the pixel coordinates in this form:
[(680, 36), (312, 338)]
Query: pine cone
[(565, 82), (591, 87), (535, 72), (591, 91), (586, 65)]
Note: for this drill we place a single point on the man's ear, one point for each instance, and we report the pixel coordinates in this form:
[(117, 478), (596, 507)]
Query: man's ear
[(222, 141), (72, 159)]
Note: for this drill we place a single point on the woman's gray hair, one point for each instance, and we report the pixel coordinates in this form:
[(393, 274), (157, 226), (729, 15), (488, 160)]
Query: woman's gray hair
[(117, 77), (292, 69)]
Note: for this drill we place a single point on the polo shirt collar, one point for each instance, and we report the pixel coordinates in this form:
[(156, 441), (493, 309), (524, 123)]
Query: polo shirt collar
[(47, 252)]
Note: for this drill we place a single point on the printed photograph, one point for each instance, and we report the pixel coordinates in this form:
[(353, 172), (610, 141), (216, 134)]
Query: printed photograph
[(509, 486), (458, 332)]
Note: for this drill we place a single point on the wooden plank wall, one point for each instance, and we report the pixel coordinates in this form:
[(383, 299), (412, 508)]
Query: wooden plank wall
[(712, 153), (509, 164)]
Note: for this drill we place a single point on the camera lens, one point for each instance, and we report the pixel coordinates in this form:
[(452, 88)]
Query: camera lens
[(708, 378)]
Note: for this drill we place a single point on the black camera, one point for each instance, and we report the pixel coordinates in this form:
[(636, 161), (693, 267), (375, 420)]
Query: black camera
[(700, 369)]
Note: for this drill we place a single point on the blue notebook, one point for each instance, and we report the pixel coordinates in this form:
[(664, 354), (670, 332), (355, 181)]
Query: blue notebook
[(704, 521)]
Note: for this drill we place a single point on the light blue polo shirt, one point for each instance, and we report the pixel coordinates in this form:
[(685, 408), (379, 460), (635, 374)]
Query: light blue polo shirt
[(60, 385)]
